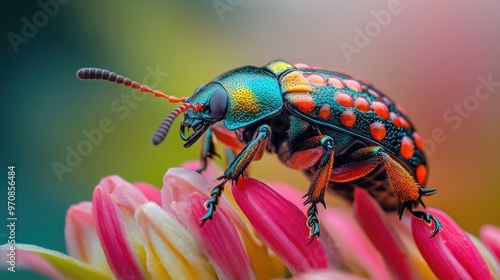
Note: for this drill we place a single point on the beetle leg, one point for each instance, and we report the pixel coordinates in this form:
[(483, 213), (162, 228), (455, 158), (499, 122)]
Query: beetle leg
[(406, 190), (207, 150), (360, 163), (308, 150), (230, 155), (305, 154), (254, 148)]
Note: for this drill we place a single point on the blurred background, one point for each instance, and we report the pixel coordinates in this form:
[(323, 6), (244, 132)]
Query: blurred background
[(439, 60)]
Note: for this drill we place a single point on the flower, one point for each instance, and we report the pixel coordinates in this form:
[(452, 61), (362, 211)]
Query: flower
[(137, 231)]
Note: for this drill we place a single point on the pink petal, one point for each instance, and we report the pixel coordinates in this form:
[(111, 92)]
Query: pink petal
[(212, 172), (374, 222), (218, 239), (114, 202), (290, 193), (151, 192), (490, 235), (281, 225), (353, 244), (81, 236), (418, 264), (180, 183), (450, 254), (350, 241), (328, 275), (491, 261)]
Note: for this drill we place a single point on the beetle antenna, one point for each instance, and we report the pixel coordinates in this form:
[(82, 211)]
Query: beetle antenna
[(100, 74), (162, 131)]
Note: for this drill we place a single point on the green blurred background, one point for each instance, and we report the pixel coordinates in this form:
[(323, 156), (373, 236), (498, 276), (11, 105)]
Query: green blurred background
[(427, 56)]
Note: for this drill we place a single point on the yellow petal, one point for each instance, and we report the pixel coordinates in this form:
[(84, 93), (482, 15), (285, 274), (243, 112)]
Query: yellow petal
[(171, 252)]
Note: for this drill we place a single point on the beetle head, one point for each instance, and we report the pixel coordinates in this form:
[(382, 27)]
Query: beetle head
[(213, 99)]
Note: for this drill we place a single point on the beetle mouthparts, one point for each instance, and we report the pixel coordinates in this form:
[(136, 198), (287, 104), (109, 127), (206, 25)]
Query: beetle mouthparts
[(195, 136)]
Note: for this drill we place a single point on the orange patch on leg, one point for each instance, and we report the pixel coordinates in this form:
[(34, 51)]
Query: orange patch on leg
[(305, 159), (341, 175), (403, 185), (320, 181)]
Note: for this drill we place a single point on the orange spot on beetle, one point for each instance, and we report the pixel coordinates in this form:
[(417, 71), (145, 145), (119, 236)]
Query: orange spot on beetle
[(380, 109), (335, 82), (304, 103), (377, 131), (404, 123), (316, 80), (344, 99), (348, 118), (352, 84), (418, 141), (407, 147), (362, 104), (395, 119), (325, 111), (421, 174)]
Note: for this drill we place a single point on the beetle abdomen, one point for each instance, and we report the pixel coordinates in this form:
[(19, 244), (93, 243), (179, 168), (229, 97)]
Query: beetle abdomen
[(339, 102)]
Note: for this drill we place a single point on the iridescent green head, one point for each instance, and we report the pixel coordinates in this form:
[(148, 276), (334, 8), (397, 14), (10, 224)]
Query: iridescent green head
[(239, 97)]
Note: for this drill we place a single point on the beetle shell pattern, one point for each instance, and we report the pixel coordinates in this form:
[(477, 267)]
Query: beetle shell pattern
[(356, 110)]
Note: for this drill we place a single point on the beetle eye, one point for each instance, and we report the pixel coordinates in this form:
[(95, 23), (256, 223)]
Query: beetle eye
[(218, 103)]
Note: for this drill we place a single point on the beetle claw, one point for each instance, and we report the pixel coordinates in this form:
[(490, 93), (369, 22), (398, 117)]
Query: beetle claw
[(428, 219), (313, 222), (208, 215), (212, 202), (314, 233)]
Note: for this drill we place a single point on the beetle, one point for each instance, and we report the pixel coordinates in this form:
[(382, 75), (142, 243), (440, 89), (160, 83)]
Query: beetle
[(341, 131)]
